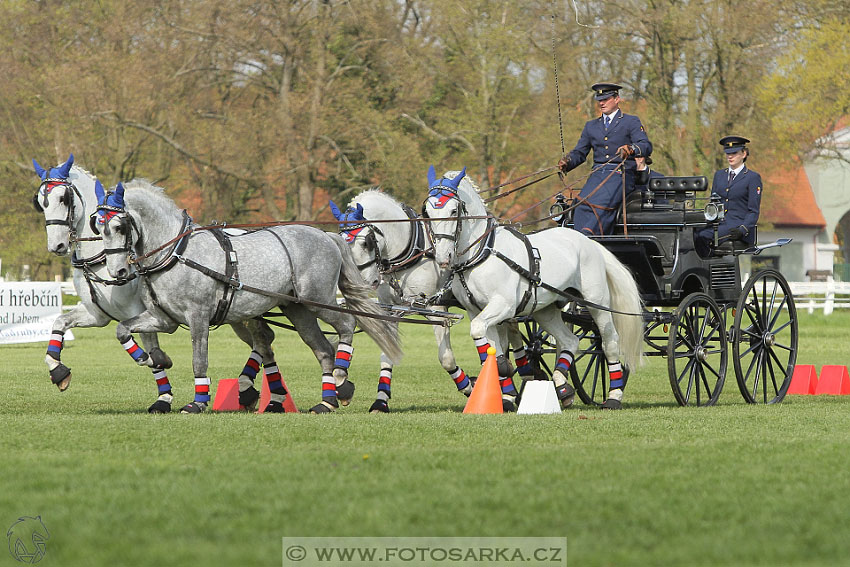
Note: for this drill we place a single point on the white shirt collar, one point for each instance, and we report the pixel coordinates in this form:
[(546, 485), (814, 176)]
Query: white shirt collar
[(737, 171), (613, 115)]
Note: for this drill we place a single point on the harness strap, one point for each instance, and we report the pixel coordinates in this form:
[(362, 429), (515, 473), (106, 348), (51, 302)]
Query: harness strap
[(532, 274), (292, 299), (231, 272)]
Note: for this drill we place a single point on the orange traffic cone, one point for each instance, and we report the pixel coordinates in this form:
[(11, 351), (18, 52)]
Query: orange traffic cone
[(227, 395), (804, 381), (266, 395), (834, 380), (486, 395)]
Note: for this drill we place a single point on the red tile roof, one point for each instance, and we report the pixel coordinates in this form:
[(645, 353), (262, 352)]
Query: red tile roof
[(788, 199)]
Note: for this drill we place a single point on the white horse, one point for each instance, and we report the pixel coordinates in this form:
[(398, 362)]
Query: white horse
[(496, 279), (395, 257), (201, 278)]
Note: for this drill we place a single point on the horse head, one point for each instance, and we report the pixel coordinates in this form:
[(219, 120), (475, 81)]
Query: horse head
[(55, 198), (117, 227), (362, 239), (444, 207)]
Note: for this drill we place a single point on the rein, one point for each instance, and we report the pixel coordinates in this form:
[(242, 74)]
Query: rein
[(176, 256)]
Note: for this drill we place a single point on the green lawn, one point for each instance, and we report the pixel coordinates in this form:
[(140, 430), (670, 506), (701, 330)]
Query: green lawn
[(654, 484)]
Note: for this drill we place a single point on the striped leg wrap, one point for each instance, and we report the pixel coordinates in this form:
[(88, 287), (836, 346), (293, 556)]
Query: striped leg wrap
[(384, 383), (133, 349), (344, 352), (329, 390), (523, 368), (202, 389), (615, 374), (482, 345), (507, 384), (252, 366), (54, 346), (163, 386), (459, 377), (274, 379), (565, 361)]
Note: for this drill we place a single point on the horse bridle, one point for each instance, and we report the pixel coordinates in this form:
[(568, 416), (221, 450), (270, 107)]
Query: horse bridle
[(127, 222), (49, 185), (461, 211)]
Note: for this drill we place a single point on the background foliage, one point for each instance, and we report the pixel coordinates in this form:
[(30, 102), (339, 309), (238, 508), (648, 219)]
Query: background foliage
[(258, 110)]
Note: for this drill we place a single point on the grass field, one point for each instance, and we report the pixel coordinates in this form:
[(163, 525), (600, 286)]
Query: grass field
[(654, 484)]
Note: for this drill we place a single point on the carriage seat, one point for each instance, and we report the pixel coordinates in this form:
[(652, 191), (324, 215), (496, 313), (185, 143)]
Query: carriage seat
[(667, 200)]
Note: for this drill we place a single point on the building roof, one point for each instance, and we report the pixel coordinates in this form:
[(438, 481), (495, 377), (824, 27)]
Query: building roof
[(788, 199)]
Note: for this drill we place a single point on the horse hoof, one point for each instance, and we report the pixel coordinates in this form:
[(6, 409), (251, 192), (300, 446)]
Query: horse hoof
[(248, 398), (160, 359), (275, 407), (612, 404), (193, 407), (160, 406), (508, 406), (344, 392), (320, 408), (61, 376), (566, 394), (379, 406)]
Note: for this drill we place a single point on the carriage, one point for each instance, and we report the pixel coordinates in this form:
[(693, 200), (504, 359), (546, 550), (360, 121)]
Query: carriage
[(695, 308)]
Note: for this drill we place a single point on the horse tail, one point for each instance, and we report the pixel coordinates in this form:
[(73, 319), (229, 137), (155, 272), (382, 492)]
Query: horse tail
[(625, 297), (359, 296)]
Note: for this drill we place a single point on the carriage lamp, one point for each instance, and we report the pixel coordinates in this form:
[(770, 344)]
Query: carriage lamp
[(561, 209), (714, 209)]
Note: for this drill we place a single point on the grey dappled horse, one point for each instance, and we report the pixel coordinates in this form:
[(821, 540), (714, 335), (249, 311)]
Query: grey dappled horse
[(67, 198), (205, 277), (395, 257)]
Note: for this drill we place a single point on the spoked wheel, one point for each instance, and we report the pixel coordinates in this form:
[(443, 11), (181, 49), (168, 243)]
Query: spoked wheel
[(764, 343), (697, 353), (589, 371), (538, 343)]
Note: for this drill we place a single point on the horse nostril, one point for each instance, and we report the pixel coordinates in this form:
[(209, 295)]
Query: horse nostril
[(60, 248), (122, 273)]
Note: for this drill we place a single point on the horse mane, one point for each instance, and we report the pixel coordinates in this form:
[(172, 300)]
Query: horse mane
[(142, 194), (370, 194), (81, 171), (468, 190)]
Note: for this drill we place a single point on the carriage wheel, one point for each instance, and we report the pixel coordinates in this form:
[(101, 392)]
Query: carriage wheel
[(697, 352), (589, 371), (537, 344), (764, 338)]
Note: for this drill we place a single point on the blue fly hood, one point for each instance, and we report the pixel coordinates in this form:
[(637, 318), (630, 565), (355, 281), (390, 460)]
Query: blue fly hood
[(109, 204), (56, 177), (352, 220), (60, 172), (443, 189)]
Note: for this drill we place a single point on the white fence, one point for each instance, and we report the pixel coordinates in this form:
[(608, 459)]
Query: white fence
[(821, 295)]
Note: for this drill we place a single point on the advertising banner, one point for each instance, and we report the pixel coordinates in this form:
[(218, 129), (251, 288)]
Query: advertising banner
[(27, 311)]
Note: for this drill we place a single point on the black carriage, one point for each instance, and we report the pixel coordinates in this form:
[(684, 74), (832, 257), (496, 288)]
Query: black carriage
[(695, 306)]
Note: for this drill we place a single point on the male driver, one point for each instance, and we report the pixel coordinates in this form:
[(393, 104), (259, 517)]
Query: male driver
[(615, 138)]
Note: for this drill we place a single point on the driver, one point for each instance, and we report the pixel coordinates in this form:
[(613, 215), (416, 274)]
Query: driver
[(739, 189), (616, 139)]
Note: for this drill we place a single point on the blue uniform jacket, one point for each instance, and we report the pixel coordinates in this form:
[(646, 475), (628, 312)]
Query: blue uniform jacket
[(741, 200), (603, 190), (624, 130)]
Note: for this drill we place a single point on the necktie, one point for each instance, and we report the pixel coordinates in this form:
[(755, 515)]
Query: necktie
[(731, 177), (607, 121)]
